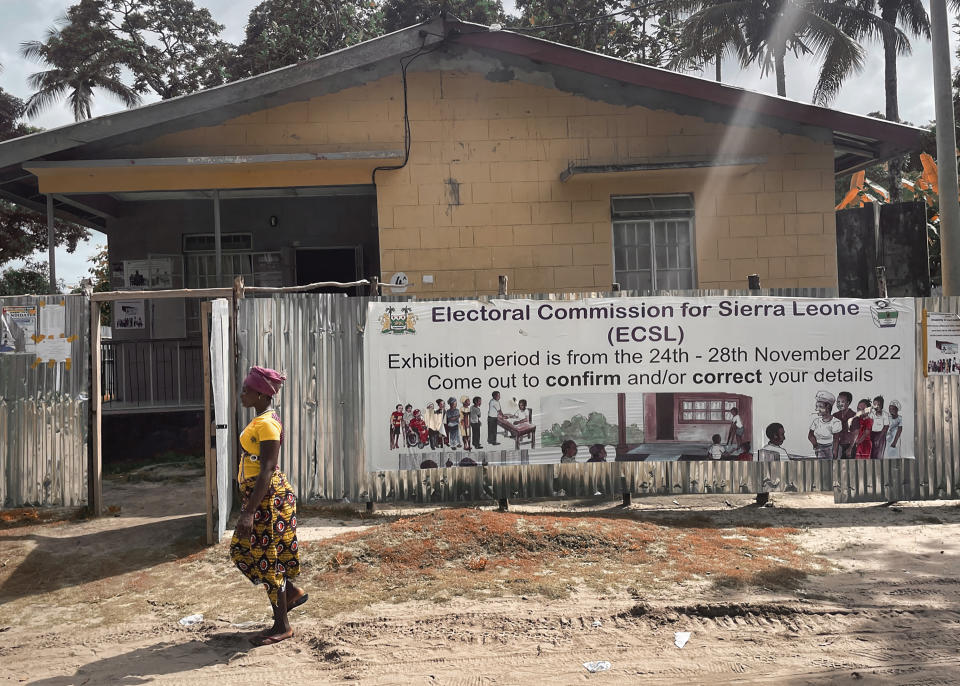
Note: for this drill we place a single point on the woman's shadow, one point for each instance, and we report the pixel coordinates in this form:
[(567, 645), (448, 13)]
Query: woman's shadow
[(144, 664)]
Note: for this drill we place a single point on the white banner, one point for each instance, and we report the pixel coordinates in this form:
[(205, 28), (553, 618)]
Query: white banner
[(941, 343), (665, 378)]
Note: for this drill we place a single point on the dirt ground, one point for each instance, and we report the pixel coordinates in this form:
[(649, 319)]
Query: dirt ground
[(805, 592)]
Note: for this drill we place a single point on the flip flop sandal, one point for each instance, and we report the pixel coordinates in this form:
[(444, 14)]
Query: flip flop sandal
[(299, 601)]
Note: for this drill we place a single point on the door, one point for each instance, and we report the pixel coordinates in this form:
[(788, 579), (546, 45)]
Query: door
[(665, 417), (221, 387)]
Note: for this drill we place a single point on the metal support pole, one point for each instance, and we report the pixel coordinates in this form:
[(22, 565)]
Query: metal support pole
[(946, 148), (882, 282), (216, 236), (51, 247), (503, 505), (369, 506)]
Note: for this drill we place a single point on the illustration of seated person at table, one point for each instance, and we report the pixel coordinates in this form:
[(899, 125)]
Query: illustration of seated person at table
[(524, 413), (568, 451), (519, 426), (598, 453)]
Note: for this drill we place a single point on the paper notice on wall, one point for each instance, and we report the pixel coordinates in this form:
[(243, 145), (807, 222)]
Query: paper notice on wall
[(136, 274), (942, 343), (53, 350), (52, 319), (128, 314), (18, 326)]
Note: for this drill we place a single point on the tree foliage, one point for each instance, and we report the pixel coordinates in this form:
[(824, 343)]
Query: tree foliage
[(23, 231), (399, 14), (169, 46), (594, 428), (32, 278), (763, 33), (82, 55), (284, 32), (634, 31)]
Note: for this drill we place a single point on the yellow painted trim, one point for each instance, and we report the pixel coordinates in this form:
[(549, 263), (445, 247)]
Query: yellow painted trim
[(220, 176)]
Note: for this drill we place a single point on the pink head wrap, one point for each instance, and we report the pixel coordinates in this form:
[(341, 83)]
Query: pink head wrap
[(263, 380)]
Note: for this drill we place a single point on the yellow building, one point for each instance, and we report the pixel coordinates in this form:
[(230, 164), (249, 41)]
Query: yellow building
[(497, 154)]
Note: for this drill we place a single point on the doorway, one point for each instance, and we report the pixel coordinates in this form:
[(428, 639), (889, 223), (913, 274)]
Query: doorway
[(665, 417), (342, 263)]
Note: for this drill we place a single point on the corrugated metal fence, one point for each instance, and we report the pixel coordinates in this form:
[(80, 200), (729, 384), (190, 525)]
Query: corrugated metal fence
[(318, 341), (45, 416)]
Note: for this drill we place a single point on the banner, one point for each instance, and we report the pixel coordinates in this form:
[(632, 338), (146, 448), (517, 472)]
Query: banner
[(941, 339), (667, 378)]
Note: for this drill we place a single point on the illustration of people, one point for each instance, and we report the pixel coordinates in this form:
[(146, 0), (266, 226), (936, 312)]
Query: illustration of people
[(568, 451), (434, 421), (776, 435), (418, 426), (735, 434), (598, 453), (825, 428), (453, 423), (407, 415), (524, 413), (716, 449), (863, 444), (136, 279), (428, 464), (465, 422), (442, 411), (895, 429), (493, 414), (881, 424), (744, 455), (475, 421), (396, 427), (847, 433)]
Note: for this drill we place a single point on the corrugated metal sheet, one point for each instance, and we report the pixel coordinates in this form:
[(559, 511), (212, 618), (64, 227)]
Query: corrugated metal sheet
[(318, 341), (45, 417)]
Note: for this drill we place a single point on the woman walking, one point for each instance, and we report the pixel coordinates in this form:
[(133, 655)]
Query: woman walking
[(264, 545)]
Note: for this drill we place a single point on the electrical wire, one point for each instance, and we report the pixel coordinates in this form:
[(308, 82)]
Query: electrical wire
[(407, 138)]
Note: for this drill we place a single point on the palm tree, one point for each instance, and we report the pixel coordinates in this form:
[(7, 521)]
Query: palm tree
[(708, 43), (82, 56), (912, 16), (765, 31)]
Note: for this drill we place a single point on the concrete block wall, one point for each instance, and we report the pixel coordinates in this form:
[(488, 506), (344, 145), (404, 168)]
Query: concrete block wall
[(482, 196)]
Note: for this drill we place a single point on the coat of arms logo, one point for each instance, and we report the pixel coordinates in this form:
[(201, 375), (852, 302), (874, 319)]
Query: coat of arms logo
[(399, 322)]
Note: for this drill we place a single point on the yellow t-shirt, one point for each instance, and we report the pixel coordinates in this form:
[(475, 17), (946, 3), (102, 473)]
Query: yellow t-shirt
[(263, 427)]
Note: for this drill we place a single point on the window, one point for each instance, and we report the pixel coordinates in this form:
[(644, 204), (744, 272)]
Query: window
[(653, 242), (705, 410)]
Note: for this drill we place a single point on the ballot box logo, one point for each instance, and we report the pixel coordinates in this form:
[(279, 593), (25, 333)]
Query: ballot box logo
[(398, 321), (884, 314)]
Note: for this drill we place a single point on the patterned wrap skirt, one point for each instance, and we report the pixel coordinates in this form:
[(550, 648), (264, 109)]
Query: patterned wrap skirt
[(270, 554)]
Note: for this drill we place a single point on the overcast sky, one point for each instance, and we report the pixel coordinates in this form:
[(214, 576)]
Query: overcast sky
[(22, 20)]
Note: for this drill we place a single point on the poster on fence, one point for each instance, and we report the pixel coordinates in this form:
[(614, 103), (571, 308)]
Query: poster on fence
[(18, 326), (941, 331), (637, 379)]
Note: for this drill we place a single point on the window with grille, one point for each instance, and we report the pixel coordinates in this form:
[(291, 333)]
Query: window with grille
[(706, 410), (653, 242)]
